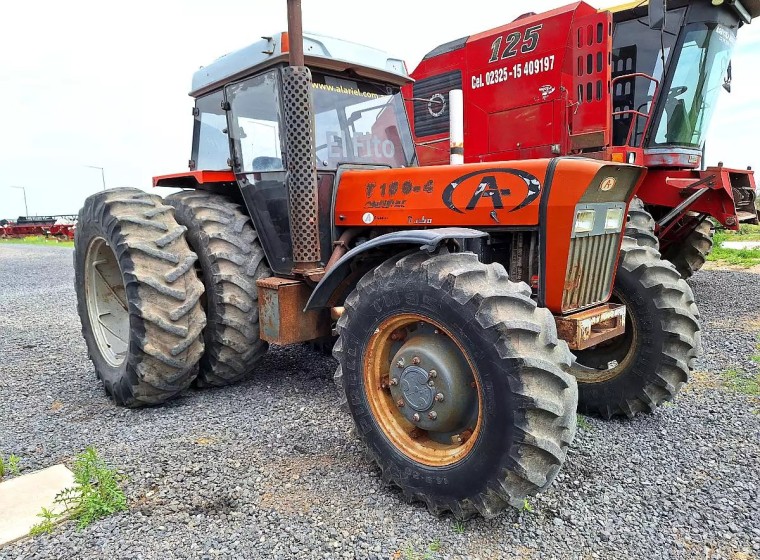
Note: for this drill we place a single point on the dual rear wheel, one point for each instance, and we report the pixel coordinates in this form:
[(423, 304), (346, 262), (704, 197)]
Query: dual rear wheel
[(167, 294)]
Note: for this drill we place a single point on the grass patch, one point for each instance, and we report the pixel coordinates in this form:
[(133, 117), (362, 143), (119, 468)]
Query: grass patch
[(737, 257), (742, 382), (9, 466), (582, 422), (458, 527), (37, 240), (756, 356), (95, 494), (526, 504), (410, 553)]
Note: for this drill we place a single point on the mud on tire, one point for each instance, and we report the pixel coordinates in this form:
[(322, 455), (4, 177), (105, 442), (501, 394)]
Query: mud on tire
[(231, 260), (659, 348), (528, 401), (130, 252)]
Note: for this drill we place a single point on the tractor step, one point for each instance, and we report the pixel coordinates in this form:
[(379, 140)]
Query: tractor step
[(590, 327)]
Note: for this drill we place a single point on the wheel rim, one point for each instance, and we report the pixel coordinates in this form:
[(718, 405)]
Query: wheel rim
[(621, 350), (422, 390), (106, 302)]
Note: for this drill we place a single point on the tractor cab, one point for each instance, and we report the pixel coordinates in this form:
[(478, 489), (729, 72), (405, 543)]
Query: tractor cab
[(668, 69), (240, 123)]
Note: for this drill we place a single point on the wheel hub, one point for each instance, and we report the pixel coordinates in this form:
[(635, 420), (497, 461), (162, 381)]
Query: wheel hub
[(432, 385), (414, 386)]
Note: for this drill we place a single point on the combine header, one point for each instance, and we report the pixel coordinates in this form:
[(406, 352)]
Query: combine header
[(60, 227), (637, 84)]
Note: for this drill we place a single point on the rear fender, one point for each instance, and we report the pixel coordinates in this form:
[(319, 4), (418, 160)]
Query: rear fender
[(324, 295)]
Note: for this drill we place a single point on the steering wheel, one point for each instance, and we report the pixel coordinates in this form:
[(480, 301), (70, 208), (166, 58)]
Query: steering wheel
[(678, 90)]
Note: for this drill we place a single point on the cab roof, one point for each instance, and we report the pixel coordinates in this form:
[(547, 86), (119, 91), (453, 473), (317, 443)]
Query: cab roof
[(320, 51)]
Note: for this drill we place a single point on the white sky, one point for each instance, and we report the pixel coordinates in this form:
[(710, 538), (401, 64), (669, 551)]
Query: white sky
[(86, 82)]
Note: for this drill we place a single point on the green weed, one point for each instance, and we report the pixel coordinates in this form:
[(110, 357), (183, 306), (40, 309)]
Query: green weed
[(458, 527), (9, 466), (741, 382), (95, 494), (582, 422), (526, 504), (409, 552), (45, 526)]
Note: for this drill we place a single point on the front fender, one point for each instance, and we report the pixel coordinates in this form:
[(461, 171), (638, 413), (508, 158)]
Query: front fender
[(427, 239)]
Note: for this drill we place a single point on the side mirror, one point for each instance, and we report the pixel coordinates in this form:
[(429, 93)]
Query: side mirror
[(657, 9)]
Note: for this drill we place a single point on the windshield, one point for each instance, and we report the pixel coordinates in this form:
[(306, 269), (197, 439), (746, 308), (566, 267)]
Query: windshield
[(690, 102), (359, 123)]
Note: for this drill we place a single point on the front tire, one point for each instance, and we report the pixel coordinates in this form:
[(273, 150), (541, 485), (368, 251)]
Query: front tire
[(137, 296), (690, 255), (496, 414), (648, 365)]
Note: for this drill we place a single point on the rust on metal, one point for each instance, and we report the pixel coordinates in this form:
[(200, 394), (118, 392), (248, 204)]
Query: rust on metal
[(591, 327), (281, 315)]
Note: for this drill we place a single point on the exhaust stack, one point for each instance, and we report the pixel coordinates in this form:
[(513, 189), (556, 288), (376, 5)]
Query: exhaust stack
[(300, 149)]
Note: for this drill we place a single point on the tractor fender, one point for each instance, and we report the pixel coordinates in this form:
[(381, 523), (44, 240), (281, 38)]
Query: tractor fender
[(427, 239)]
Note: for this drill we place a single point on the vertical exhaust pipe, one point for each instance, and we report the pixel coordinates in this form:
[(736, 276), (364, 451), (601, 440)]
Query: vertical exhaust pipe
[(456, 127), (300, 151)]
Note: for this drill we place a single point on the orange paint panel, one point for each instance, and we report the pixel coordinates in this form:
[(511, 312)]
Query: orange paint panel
[(188, 179), (474, 195)]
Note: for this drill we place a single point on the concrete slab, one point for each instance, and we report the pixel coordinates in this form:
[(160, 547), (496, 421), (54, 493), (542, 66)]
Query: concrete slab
[(740, 245), (23, 497)]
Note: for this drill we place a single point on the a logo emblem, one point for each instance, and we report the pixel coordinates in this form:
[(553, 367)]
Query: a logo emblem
[(608, 184), (490, 184), (436, 105), (546, 91), (368, 218)]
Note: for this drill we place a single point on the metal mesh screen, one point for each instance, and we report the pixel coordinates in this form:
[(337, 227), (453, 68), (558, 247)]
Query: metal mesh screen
[(302, 169)]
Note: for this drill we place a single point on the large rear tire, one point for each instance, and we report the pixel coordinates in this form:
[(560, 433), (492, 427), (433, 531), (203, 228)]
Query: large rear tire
[(690, 255), (638, 371), (456, 382), (138, 296), (231, 261)]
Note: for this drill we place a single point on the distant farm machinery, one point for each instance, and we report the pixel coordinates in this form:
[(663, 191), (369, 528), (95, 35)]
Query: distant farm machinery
[(59, 227)]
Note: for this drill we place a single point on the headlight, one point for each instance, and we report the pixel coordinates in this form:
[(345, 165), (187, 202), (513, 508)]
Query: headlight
[(584, 221), (614, 219)]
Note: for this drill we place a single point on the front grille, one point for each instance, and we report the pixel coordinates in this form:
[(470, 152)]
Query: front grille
[(589, 270)]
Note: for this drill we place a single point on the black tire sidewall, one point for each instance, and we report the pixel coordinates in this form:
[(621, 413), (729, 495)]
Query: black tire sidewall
[(87, 231), (490, 453), (648, 351)]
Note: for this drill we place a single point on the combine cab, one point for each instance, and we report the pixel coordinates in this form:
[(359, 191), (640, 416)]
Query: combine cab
[(636, 84), (455, 291)]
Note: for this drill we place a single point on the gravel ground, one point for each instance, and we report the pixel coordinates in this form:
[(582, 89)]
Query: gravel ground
[(269, 468)]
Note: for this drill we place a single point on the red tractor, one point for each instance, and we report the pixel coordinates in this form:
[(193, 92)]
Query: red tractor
[(456, 291), (636, 84)]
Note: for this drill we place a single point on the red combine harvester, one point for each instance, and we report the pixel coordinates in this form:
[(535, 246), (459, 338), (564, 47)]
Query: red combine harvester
[(61, 227), (635, 84)]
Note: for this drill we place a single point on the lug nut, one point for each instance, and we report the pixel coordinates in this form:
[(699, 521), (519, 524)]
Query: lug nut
[(416, 361), (431, 383), (433, 415), (400, 363), (394, 381), (439, 397), (432, 374), (416, 417), (400, 403)]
